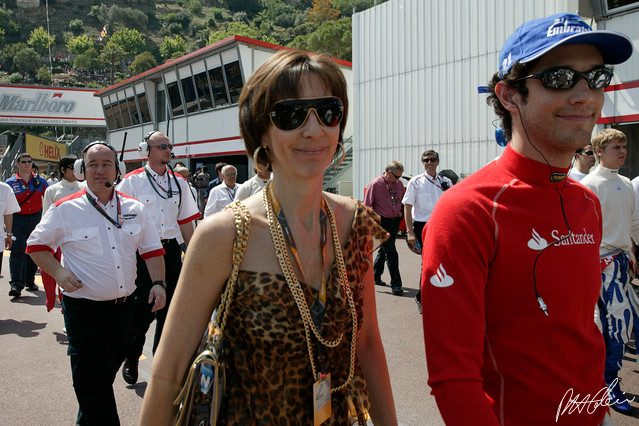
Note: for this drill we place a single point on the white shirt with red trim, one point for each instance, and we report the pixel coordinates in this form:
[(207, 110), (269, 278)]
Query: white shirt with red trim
[(167, 211), (99, 253)]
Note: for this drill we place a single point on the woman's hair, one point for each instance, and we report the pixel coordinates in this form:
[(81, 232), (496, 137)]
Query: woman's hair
[(511, 79), (279, 78)]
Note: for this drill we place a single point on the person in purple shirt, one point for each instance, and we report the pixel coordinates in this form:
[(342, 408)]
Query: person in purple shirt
[(384, 195)]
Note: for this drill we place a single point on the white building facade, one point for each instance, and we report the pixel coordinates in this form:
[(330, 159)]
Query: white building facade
[(194, 99), (418, 65)]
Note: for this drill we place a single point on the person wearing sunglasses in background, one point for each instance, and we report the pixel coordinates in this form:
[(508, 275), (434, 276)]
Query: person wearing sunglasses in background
[(511, 255), (422, 193), (584, 160), (293, 110), (384, 195), (28, 188), (168, 202)]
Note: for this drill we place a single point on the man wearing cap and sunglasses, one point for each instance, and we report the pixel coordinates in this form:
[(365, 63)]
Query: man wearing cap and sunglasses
[(511, 255), (584, 160)]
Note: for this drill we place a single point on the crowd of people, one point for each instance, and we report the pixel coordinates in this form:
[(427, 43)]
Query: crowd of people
[(525, 290)]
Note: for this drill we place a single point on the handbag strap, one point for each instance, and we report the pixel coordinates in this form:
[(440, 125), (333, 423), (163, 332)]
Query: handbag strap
[(242, 228)]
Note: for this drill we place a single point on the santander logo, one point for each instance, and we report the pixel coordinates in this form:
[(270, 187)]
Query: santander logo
[(537, 242), (441, 278)]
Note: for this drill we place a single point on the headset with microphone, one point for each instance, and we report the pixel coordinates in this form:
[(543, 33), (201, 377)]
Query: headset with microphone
[(143, 151), (79, 167)]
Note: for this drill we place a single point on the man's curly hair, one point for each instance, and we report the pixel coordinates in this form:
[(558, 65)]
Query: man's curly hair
[(511, 79)]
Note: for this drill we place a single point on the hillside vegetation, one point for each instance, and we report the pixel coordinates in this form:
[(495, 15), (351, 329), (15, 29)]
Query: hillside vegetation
[(95, 44)]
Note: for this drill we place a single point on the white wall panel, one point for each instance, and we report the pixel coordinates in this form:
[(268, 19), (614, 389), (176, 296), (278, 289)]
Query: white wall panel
[(417, 65)]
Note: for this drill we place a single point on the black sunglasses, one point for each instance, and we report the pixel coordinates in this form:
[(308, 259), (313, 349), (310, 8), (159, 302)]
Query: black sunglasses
[(566, 78), (26, 161), (587, 152), (292, 114), (432, 160), (163, 146)]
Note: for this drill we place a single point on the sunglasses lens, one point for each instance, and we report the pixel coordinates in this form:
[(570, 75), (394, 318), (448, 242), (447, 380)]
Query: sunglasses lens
[(561, 78), (600, 78), (565, 78), (292, 114)]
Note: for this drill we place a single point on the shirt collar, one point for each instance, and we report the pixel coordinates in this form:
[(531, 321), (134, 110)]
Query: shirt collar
[(529, 170)]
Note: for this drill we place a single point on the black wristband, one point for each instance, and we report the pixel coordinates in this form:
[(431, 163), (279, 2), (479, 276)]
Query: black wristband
[(160, 283)]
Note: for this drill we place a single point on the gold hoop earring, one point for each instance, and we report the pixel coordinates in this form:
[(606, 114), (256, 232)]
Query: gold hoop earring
[(341, 146), (261, 157)]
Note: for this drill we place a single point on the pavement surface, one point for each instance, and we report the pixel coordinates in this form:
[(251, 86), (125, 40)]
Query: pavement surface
[(35, 374)]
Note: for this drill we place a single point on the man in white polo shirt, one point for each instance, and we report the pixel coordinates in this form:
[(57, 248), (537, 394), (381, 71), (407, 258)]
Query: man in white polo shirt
[(422, 192), (99, 231)]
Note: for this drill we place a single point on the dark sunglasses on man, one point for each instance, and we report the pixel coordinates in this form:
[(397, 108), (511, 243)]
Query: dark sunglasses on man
[(432, 160), (562, 78)]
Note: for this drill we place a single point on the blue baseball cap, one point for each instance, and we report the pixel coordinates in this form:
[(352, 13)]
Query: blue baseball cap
[(539, 36)]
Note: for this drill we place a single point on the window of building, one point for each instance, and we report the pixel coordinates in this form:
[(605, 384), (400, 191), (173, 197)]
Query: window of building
[(174, 98), (117, 116), (160, 105), (126, 116), (108, 113), (615, 6), (203, 91), (144, 108), (133, 107), (234, 80), (219, 88), (188, 89)]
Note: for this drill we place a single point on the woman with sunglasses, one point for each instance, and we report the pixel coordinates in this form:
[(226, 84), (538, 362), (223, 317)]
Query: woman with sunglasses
[(293, 276)]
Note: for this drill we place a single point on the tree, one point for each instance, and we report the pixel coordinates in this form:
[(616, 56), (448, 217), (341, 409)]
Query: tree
[(89, 60), (322, 11), (248, 6), (79, 44), (11, 29), (76, 25), (332, 38), (143, 62), (241, 29), (43, 76), (27, 60), (111, 54), (40, 40), (129, 40), (172, 48)]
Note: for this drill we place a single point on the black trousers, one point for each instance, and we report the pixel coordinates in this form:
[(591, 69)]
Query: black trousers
[(143, 317), (21, 267), (98, 336), (387, 253), (418, 228)]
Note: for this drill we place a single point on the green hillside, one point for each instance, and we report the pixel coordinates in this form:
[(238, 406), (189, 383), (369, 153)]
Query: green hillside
[(141, 34)]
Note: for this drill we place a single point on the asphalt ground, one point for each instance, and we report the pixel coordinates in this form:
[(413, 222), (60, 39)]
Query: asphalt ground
[(35, 376)]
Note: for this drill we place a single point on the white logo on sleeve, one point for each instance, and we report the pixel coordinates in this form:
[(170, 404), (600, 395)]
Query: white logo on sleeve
[(537, 242), (441, 278)]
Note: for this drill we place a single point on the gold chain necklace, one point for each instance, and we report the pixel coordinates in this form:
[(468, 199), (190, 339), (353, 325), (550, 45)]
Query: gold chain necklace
[(294, 286)]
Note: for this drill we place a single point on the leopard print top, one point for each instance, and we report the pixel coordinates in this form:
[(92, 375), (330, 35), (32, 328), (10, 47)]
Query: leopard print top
[(269, 377)]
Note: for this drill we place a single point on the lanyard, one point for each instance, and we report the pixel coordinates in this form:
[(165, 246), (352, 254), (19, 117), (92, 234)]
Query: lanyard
[(231, 193), (433, 181), (120, 219), (318, 309), (392, 192), (169, 192), (290, 242)]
